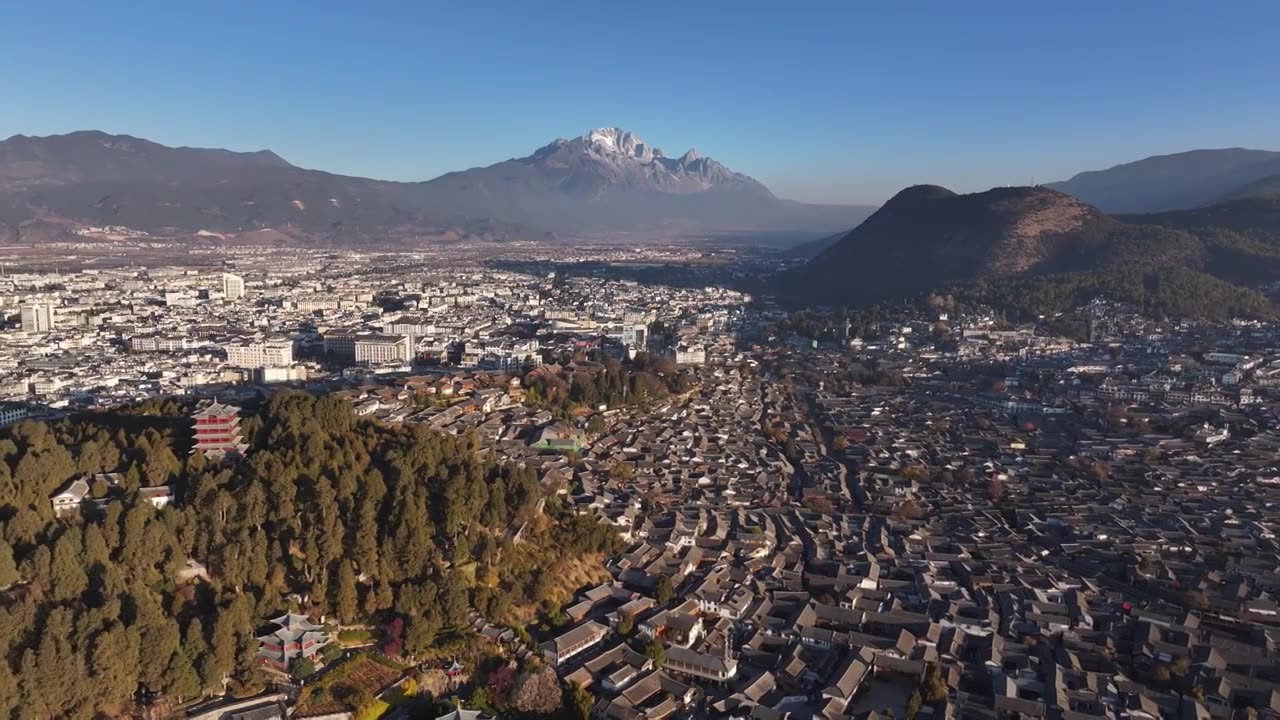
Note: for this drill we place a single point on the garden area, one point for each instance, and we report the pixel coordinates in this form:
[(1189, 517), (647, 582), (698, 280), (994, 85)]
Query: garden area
[(359, 637), (353, 685)]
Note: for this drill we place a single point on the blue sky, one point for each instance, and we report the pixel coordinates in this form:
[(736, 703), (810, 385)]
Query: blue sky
[(823, 101)]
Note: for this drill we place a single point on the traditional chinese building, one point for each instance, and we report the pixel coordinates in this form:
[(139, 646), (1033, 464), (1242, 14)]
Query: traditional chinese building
[(295, 637), (217, 430)]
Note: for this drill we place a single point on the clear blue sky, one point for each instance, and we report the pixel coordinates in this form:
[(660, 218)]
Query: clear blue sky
[(825, 101)]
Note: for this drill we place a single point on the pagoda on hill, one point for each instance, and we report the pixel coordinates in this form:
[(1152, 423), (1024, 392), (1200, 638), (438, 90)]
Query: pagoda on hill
[(217, 431)]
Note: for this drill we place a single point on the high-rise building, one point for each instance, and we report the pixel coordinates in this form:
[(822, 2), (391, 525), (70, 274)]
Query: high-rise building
[(37, 317), (635, 332), (217, 431), (232, 286)]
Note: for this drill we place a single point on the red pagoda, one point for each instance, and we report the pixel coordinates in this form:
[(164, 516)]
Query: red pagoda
[(217, 431)]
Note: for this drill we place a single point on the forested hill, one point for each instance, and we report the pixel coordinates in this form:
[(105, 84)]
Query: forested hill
[(328, 514), (1033, 250)]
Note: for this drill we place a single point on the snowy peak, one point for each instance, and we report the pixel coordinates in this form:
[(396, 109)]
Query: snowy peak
[(610, 178), (608, 159), (618, 142)]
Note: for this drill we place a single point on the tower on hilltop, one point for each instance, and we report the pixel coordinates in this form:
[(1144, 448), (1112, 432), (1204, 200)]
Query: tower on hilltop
[(217, 431)]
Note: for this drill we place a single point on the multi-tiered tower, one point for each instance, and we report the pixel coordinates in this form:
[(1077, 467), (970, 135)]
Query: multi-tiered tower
[(217, 431)]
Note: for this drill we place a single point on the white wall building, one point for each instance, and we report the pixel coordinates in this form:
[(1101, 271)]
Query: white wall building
[(260, 353), (379, 349), (37, 317), (691, 355), (232, 286)]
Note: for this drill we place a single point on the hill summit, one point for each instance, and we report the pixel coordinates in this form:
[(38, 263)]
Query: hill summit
[(927, 236), (1035, 250)]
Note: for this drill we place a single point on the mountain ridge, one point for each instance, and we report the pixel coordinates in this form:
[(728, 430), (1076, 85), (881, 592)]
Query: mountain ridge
[(926, 236), (1174, 181), (612, 178), (1055, 248), (606, 180)]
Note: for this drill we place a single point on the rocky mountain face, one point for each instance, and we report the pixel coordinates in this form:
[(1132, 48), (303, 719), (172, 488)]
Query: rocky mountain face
[(1055, 249), (1173, 182), (608, 179), (613, 160)]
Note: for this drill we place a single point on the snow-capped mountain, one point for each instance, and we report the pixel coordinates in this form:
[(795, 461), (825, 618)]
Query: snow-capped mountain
[(610, 178), (607, 179), (613, 158)]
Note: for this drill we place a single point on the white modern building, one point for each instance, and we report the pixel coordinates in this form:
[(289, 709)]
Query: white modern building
[(232, 286), (379, 349), (635, 332), (37, 318), (691, 355), (260, 353)]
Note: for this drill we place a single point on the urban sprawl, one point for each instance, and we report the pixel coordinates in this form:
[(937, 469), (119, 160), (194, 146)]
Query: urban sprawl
[(920, 513)]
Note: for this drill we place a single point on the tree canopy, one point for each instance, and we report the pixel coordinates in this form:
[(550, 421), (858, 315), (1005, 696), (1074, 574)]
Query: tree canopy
[(331, 515)]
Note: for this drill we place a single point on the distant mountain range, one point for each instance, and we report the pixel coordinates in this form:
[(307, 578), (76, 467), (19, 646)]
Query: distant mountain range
[(1172, 232), (1176, 182), (1035, 250), (606, 180)]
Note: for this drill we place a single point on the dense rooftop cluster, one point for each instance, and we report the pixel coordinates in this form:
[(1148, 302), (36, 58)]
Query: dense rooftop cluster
[(897, 512), (956, 520)]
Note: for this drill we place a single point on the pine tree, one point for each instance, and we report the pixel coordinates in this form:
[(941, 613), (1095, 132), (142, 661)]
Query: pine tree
[(57, 667), (9, 691), (193, 641), (160, 465), (67, 579), (453, 600), (258, 562), (329, 524), (346, 597), (421, 634), (133, 542), (366, 550), (655, 651), (222, 647), (113, 663), (8, 568), (159, 635), (180, 678)]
